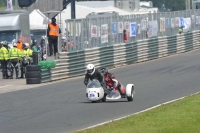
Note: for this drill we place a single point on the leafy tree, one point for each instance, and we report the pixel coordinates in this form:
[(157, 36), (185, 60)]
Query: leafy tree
[(3, 3), (173, 5)]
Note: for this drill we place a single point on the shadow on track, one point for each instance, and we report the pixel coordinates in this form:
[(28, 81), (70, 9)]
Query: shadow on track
[(105, 102)]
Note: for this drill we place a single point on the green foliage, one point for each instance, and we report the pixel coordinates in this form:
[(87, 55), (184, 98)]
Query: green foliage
[(2, 3), (173, 5)]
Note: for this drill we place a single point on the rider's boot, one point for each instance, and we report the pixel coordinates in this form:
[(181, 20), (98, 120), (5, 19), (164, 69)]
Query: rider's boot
[(123, 92), (123, 95)]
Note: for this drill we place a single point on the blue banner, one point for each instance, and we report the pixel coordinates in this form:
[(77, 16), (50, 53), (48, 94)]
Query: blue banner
[(114, 28), (168, 22), (181, 22), (133, 29)]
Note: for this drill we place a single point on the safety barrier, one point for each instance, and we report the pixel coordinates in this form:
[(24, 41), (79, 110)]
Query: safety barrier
[(45, 75), (73, 64)]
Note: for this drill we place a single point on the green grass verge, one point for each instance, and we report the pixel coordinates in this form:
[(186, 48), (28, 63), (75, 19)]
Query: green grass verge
[(182, 116)]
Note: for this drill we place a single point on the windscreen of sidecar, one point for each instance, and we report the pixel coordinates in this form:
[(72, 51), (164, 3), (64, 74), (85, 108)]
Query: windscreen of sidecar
[(94, 84)]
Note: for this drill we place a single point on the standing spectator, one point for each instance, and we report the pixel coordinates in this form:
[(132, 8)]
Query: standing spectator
[(125, 36), (180, 29), (147, 34), (53, 32), (20, 44), (64, 44), (45, 54), (43, 45), (33, 41), (29, 53), (4, 59), (22, 67), (14, 55), (34, 48), (0, 57), (39, 50), (24, 62), (69, 43)]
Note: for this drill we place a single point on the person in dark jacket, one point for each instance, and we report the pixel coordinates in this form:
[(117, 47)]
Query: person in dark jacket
[(43, 45), (93, 73), (125, 36)]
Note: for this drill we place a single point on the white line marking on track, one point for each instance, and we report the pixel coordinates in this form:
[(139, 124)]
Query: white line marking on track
[(138, 112)]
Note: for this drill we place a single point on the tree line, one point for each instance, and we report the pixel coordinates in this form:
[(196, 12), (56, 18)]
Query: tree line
[(3, 3), (173, 5)]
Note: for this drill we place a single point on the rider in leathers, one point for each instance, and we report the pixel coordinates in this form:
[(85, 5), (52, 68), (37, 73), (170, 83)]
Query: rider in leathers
[(93, 73), (112, 82)]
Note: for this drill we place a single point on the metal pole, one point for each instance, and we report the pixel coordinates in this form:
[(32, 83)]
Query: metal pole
[(187, 4), (59, 44), (46, 36), (16, 4), (73, 9)]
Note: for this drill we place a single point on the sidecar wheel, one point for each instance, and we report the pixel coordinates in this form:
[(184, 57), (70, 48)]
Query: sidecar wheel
[(130, 98)]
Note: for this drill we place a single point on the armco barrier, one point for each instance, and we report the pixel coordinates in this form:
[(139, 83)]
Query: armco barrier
[(45, 75), (73, 64)]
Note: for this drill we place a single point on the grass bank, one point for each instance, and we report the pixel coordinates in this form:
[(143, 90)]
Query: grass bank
[(182, 116)]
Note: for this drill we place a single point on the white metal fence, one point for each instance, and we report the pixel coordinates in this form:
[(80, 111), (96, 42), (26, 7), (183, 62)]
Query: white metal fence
[(108, 30)]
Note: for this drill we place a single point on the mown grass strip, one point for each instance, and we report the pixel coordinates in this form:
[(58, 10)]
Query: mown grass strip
[(182, 116)]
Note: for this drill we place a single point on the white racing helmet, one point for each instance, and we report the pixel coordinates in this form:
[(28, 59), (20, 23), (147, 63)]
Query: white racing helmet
[(63, 38), (90, 69), (27, 45), (14, 44), (3, 43)]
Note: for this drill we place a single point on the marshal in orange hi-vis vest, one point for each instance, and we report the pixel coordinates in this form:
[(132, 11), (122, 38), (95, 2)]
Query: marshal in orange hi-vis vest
[(53, 30)]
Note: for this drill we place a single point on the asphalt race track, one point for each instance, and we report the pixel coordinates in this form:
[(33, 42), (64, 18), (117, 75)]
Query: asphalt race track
[(62, 107)]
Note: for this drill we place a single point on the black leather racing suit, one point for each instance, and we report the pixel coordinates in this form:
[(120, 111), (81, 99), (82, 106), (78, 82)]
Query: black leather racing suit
[(97, 75)]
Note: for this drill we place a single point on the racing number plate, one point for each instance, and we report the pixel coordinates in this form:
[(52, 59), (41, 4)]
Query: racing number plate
[(92, 95)]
